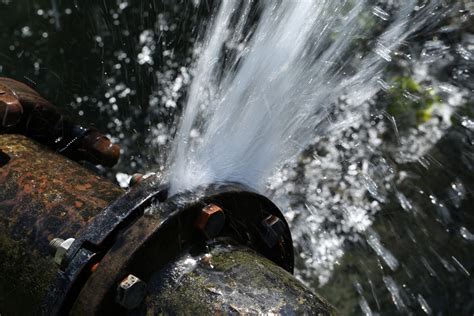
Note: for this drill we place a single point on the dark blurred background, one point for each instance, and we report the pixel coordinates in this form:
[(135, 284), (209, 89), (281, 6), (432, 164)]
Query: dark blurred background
[(84, 57)]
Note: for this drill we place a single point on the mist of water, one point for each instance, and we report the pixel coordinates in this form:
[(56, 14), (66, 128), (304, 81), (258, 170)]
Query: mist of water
[(267, 76)]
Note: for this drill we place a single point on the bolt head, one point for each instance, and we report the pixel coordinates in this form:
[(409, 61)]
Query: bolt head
[(273, 229), (61, 250), (130, 292), (210, 220)]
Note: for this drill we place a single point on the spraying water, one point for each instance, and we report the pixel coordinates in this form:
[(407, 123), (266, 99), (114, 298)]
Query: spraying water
[(265, 82)]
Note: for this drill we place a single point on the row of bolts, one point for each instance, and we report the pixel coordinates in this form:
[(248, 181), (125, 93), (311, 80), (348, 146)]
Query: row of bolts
[(131, 290)]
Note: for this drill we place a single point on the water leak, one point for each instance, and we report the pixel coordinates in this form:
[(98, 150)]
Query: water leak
[(262, 102)]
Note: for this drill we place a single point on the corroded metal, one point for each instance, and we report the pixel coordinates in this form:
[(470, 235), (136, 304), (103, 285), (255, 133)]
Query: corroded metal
[(24, 111), (210, 221), (43, 195), (228, 279), (103, 232), (168, 228), (143, 233)]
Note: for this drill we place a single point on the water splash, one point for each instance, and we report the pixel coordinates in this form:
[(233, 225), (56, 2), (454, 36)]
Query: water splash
[(466, 234), (395, 292), (424, 305), (264, 89), (374, 241)]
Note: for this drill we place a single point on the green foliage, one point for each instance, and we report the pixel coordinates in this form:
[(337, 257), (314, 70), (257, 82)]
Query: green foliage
[(410, 103)]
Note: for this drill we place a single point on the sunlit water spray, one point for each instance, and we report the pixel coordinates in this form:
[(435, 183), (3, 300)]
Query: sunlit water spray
[(264, 89)]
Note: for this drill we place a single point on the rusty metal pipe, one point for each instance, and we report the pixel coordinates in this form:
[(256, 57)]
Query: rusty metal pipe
[(42, 196), (217, 249)]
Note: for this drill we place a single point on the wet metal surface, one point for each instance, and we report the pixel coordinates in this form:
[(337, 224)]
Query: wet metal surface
[(46, 196), (43, 195), (167, 228), (228, 279), (85, 253)]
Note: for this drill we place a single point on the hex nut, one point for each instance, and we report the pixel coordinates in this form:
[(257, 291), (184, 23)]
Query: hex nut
[(61, 246), (273, 229), (210, 220), (130, 292)]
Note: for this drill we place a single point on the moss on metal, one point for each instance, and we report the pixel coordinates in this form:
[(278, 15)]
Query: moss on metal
[(230, 279), (42, 195), (23, 277)]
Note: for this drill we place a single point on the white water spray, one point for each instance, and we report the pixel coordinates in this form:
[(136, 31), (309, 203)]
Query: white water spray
[(263, 90)]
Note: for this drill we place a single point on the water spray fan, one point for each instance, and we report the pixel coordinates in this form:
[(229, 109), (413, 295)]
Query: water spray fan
[(219, 248)]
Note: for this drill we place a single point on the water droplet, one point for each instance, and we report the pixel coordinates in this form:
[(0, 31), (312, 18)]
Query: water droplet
[(381, 251), (424, 305), (433, 51), (394, 290), (372, 187), (466, 234), (460, 266), (467, 123), (379, 12), (383, 51), (404, 202), (364, 306)]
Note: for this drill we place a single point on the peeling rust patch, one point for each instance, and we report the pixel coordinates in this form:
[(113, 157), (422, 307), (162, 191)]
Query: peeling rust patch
[(42, 195)]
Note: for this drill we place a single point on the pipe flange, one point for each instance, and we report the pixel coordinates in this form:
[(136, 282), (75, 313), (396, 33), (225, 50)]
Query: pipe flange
[(167, 228), (144, 230)]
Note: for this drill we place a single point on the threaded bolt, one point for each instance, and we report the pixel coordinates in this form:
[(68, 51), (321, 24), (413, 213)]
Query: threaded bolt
[(60, 246), (55, 243)]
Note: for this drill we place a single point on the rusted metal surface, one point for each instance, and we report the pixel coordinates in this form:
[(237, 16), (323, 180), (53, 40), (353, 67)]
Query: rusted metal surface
[(85, 253), (168, 228), (28, 113), (210, 220), (43, 195), (24, 111), (98, 294)]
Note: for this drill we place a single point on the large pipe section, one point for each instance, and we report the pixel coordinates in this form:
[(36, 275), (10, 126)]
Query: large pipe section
[(42, 196), (216, 249)]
